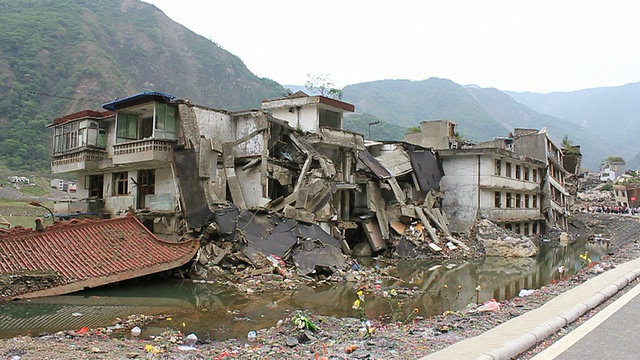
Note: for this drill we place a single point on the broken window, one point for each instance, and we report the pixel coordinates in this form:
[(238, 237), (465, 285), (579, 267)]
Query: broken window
[(525, 170), (526, 229), (517, 171), (146, 186), (497, 202), (518, 199), (526, 200), (120, 183), (507, 170), (509, 200), (534, 227), (507, 226), (534, 201), (516, 228), (534, 175), (498, 168), (94, 184)]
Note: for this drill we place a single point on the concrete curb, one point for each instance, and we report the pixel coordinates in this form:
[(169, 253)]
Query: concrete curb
[(513, 348)]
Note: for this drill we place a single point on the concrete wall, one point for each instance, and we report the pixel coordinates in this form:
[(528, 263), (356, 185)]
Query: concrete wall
[(460, 184), (117, 204), (533, 145), (305, 117), (245, 125), (214, 124), (250, 184)]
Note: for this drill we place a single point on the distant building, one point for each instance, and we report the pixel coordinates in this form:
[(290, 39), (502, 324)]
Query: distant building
[(57, 184), (611, 170), (487, 180)]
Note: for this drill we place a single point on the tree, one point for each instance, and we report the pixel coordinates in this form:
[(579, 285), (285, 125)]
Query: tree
[(323, 85), (568, 147)]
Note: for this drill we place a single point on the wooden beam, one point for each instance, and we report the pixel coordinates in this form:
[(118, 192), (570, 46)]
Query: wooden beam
[(430, 229)]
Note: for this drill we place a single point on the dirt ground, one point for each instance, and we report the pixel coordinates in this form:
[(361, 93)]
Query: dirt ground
[(306, 336)]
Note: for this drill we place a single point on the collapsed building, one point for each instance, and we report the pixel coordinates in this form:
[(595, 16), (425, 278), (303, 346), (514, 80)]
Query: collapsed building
[(260, 185), (521, 182)]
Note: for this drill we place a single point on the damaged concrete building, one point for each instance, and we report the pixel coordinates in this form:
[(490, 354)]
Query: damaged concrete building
[(179, 167), (517, 181)]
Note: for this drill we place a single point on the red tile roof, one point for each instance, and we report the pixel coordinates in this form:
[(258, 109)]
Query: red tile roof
[(89, 253)]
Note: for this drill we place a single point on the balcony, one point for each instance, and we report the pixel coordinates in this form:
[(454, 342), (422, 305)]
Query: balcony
[(150, 150), (511, 214), (85, 159)]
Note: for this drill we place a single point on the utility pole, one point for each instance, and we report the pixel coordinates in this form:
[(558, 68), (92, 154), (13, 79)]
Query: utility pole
[(372, 123)]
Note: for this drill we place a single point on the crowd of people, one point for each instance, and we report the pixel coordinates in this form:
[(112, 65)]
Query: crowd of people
[(623, 210)]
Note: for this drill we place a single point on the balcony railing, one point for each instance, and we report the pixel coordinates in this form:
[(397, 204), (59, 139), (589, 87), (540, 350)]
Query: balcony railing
[(80, 160), (142, 151)]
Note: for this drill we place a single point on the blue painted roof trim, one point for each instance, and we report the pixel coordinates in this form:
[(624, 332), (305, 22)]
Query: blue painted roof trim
[(112, 105)]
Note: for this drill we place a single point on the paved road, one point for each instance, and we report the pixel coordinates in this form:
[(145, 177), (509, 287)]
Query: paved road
[(613, 333), (514, 337)]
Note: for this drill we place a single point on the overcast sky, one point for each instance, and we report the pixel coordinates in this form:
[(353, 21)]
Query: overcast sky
[(540, 46)]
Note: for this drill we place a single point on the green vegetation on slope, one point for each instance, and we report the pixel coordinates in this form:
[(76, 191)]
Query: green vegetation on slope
[(381, 131), (408, 103), (58, 57)]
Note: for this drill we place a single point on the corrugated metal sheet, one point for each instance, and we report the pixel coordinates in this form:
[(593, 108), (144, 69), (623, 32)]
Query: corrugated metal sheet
[(115, 104), (89, 253)]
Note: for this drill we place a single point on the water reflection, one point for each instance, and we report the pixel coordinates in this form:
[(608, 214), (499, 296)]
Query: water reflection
[(218, 313)]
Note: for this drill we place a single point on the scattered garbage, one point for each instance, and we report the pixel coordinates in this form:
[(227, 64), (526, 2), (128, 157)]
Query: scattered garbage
[(489, 306), (135, 331), (190, 339), (526, 292), (252, 335)]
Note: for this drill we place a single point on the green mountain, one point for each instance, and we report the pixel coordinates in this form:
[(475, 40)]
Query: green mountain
[(611, 112), (481, 114), (378, 130), (62, 56), (407, 103)]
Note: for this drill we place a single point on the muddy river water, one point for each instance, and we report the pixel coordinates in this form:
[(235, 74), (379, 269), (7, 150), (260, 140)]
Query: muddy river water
[(218, 313)]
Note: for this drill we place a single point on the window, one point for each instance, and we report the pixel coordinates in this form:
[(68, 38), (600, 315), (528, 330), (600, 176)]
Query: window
[(516, 228), (507, 226), (518, 171), (126, 127), (498, 167), (165, 121), (157, 121), (534, 228), (526, 229), (120, 183), (525, 169), (526, 200), (147, 181), (518, 199), (507, 170), (534, 201), (509, 200), (534, 175), (497, 202), (79, 134)]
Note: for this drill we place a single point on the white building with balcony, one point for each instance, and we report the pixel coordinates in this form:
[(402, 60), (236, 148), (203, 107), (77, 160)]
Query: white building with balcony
[(493, 184)]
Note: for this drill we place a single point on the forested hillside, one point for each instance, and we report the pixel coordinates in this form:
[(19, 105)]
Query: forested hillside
[(611, 112), (58, 57), (481, 114)]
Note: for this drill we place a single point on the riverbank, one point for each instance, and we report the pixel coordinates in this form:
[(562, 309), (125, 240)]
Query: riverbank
[(341, 338)]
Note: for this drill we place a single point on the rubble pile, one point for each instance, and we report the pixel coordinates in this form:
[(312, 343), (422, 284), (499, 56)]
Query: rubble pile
[(257, 249), (500, 242)]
